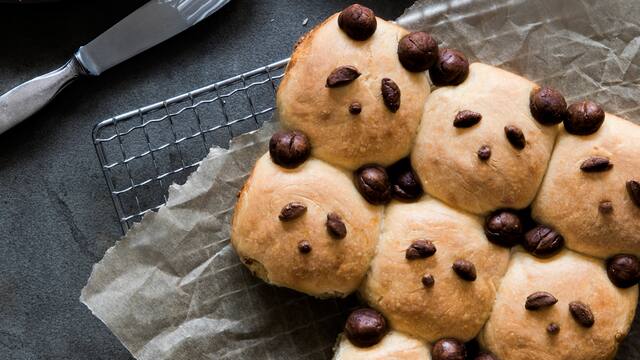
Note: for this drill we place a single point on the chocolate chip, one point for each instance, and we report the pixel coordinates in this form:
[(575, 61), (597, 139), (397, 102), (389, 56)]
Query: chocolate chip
[(404, 181), (466, 119), (358, 22), (304, 247), (485, 356), (633, 188), (581, 313), (355, 108), (365, 327), (407, 187), (335, 226), (465, 269), (289, 149), (596, 164), (451, 68), (515, 136), (584, 118), (542, 241), (428, 280), (473, 348), (448, 349), (623, 270), (547, 106), (420, 249), (605, 207), (373, 184), (539, 300), (342, 76), (553, 328), (292, 210), (390, 94), (484, 153), (525, 219), (417, 51), (503, 228)]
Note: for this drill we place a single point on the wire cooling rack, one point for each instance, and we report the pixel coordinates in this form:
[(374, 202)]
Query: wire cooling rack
[(142, 152)]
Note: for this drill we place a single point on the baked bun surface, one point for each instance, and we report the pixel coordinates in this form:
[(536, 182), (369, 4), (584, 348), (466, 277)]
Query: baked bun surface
[(375, 134), (306, 252), (594, 211), (393, 346), (449, 306), (447, 158), (515, 333)]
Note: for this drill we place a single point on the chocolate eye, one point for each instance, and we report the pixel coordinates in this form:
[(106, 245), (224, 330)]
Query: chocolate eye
[(335, 226), (581, 313), (390, 94), (466, 119), (515, 136), (465, 269), (596, 164), (291, 211), (342, 76), (420, 249), (633, 188)]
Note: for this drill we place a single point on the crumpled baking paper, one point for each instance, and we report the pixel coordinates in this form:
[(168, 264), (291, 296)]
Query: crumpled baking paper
[(173, 288)]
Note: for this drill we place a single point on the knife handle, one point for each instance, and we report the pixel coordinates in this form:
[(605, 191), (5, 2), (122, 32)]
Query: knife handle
[(26, 99)]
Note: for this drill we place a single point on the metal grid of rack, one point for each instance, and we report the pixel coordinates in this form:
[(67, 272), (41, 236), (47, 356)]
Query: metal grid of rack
[(142, 152)]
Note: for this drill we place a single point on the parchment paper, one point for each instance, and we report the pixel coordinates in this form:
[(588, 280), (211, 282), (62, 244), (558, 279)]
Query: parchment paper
[(173, 288)]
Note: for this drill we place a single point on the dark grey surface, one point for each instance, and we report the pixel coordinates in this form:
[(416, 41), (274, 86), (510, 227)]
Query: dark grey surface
[(56, 217)]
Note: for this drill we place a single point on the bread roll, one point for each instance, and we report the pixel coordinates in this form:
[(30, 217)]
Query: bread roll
[(473, 166), (551, 332), (350, 138), (394, 346), (306, 228), (594, 210), (446, 304)]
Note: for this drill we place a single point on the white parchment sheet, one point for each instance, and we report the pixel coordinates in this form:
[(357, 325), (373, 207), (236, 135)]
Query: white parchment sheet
[(173, 288)]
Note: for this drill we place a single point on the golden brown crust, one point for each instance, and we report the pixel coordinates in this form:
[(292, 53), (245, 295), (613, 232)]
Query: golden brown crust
[(269, 247), (376, 135), (517, 334), (445, 157), (569, 198), (453, 307), (393, 346)]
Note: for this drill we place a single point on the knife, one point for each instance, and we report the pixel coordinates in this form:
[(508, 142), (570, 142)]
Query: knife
[(151, 24)]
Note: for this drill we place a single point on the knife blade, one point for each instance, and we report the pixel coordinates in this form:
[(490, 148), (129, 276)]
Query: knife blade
[(151, 24)]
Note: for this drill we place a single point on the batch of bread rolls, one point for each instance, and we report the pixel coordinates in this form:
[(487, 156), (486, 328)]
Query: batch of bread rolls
[(470, 222)]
